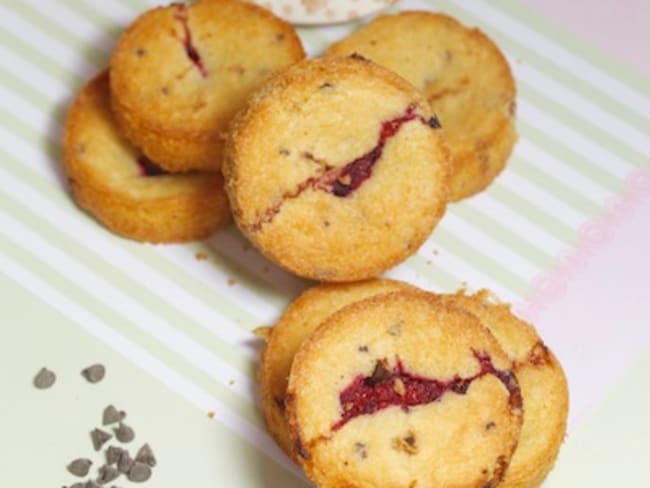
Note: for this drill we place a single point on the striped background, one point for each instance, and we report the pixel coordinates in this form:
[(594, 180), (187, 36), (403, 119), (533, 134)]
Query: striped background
[(74, 293)]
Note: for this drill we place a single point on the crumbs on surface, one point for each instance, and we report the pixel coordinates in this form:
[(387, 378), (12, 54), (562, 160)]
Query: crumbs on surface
[(201, 256), (211, 414), (232, 281)]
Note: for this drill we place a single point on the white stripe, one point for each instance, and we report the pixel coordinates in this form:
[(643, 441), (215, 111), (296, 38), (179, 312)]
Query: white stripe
[(413, 276), (527, 230), (562, 171), (32, 116), (457, 267), (32, 75), (569, 137), (127, 307), (32, 157), (521, 33), (76, 25), (116, 11), (96, 241), (544, 201), (205, 402), (582, 107), (72, 60), (489, 246)]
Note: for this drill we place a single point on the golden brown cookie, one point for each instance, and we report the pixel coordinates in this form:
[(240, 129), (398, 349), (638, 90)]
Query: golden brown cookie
[(179, 73), (336, 169), (124, 190), (297, 322), (403, 390), (465, 77), (543, 385)]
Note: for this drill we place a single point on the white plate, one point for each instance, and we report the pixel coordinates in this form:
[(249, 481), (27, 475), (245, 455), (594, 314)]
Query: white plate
[(323, 11)]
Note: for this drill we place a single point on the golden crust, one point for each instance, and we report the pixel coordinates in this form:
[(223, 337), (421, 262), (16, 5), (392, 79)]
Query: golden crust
[(179, 73), (299, 320), (465, 77), (311, 120), (543, 385), (106, 180), (459, 440)]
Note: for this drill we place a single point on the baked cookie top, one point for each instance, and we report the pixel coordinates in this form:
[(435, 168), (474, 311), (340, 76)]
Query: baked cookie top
[(462, 73), (543, 386), (182, 71), (403, 390), (336, 169), (297, 322), (123, 188)]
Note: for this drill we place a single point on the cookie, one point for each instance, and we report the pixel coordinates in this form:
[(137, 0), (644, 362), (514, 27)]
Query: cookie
[(403, 390), (336, 169), (543, 386), (297, 322), (465, 77), (125, 191), (179, 73)]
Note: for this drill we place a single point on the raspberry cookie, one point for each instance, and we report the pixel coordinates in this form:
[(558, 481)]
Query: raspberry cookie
[(465, 77), (403, 390), (123, 189), (180, 72), (336, 169), (543, 388), (298, 321)]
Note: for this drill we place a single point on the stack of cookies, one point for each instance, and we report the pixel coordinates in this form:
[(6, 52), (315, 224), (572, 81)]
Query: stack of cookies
[(144, 139), (380, 384)]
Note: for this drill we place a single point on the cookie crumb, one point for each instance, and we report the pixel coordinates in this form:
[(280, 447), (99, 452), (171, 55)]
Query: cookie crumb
[(44, 379), (232, 282), (211, 414), (263, 332), (201, 256)]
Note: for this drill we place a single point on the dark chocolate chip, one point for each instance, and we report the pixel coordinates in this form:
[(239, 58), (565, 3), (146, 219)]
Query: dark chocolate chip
[(360, 450), (112, 415), (106, 474), (94, 373), (44, 379), (125, 462), (139, 472), (327, 84), (80, 467), (99, 438), (124, 433), (490, 425), (145, 454), (113, 454), (434, 123), (362, 348), (379, 374), (358, 56), (92, 484)]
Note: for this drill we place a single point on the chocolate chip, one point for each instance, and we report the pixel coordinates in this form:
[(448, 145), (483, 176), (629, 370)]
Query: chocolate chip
[(360, 450), (124, 433), (112, 415), (80, 467), (379, 374), (125, 463), (113, 454), (284, 152), (92, 484), (145, 454), (106, 474), (434, 123), (44, 379), (362, 349), (140, 52), (139, 472), (99, 438), (279, 401), (490, 425), (94, 373), (327, 84), (358, 57), (279, 37), (77, 485)]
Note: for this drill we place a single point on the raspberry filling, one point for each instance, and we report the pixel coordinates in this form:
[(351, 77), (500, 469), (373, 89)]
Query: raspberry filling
[(148, 168), (344, 180), (182, 16), (385, 388)]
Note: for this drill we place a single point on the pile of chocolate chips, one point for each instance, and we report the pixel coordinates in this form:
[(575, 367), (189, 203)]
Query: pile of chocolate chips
[(119, 461)]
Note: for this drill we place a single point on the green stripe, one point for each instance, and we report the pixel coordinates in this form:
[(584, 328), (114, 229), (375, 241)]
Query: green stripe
[(476, 259), (15, 85), (533, 213), (45, 24), (70, 288), (504, 234), (530, 56), (105, 23), (560, 189), (568, 156), (596, 130), (614, 67)]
